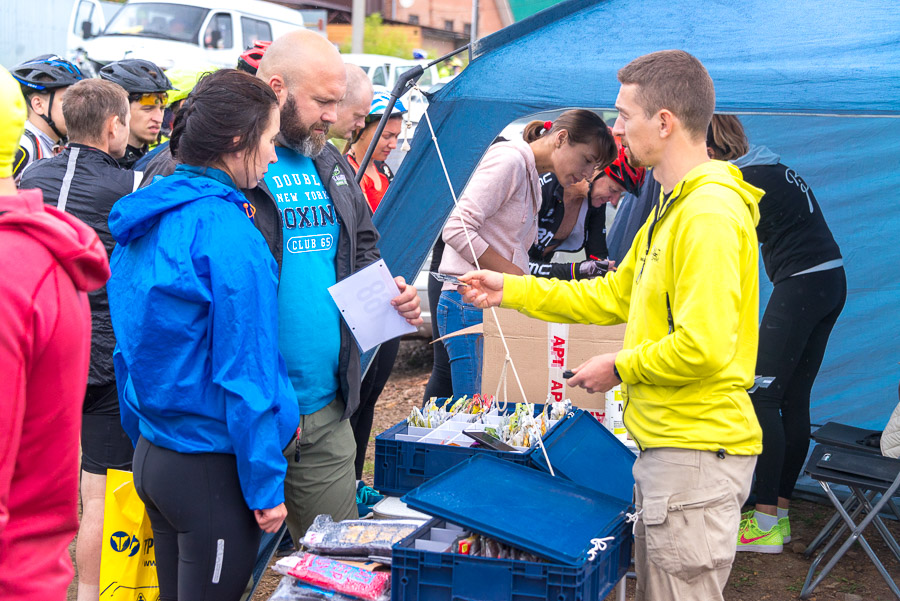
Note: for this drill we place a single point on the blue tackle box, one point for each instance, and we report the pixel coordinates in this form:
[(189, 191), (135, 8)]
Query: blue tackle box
[(402, 464), (550, 517)]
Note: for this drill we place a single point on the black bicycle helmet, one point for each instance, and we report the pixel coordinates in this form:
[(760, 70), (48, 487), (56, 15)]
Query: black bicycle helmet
[(137, 76), (46, 72)]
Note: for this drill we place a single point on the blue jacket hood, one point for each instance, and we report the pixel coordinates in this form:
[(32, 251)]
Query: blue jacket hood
[(133, 215), (756, 155)]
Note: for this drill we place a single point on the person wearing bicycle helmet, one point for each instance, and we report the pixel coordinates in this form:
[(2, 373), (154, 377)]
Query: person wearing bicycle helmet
[(573, 218), (159, 161), (378, 175), (183, 82), (44, 80), (147, 88), (249, 59)]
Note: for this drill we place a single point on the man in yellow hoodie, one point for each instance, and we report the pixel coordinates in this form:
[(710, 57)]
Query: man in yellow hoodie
[(688, 289)]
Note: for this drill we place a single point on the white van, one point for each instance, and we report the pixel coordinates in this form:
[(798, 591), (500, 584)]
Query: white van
[(384, 70), (183, 33)]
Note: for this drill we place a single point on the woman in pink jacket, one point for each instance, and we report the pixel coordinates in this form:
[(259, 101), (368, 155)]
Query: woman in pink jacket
[(496, 218)]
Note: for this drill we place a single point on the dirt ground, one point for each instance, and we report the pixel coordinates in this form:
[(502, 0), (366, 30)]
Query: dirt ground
[(755, 577)]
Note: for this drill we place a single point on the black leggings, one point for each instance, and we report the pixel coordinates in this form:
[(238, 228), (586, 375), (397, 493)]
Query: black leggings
[(792, 339), (369, 391), (205, 536), (440, 384)]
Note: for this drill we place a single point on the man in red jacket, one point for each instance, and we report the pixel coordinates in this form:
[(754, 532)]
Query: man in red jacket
[(48, 262)]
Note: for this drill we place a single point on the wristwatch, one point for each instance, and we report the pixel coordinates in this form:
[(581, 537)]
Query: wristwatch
[(616, 372)]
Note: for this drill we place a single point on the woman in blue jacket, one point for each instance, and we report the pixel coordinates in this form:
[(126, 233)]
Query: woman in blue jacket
[(203, 389)]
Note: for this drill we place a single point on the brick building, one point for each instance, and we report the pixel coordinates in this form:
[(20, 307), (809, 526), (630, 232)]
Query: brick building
[(451, 15)]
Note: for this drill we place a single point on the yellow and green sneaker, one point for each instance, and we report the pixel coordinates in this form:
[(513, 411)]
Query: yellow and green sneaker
[(785, 527), (752, 538)]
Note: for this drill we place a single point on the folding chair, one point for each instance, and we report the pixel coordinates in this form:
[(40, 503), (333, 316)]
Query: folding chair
[(849, 437), (867, 476)]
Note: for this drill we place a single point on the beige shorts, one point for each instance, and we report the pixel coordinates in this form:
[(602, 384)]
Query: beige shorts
[(686, 536)]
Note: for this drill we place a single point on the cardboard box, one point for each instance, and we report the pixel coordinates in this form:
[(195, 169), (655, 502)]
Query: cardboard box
[(542, 351)]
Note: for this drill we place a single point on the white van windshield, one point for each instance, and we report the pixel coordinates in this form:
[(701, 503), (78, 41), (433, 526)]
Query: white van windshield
[(159, 20)]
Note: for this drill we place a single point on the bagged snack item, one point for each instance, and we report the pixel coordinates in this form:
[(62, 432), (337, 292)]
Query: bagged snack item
[(431, 415), (488, 547), (291, 589), (333, 575), (557, 411), (466, 544), (359, 538)]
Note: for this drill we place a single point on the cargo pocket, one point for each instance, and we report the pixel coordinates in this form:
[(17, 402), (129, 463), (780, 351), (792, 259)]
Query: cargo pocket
[(691, 532)]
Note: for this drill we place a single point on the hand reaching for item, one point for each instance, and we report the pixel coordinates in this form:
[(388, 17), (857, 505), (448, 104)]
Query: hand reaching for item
[(484, 288)]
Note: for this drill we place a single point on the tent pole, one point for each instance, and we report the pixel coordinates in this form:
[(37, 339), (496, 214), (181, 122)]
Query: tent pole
[(404, 83)]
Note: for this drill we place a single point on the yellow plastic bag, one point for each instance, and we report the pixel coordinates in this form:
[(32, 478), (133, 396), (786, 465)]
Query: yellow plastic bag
[(128, 560)]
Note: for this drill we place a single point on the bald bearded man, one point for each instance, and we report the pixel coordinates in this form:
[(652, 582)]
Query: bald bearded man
[(319, 228), (354, 107)]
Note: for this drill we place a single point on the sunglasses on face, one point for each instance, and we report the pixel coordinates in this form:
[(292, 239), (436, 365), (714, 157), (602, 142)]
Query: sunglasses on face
[(156, 98)]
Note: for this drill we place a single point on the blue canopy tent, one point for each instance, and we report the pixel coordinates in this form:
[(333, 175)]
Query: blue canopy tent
[(818, 81)]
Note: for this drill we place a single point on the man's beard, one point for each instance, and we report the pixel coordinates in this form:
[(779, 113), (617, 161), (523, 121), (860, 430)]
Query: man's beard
[(296, 136), (633, 161)]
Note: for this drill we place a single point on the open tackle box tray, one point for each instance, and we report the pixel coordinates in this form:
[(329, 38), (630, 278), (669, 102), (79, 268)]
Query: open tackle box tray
[(552, 518), (404, 459)]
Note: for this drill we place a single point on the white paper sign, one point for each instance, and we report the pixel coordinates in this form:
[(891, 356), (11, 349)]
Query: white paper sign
[(364, 300)]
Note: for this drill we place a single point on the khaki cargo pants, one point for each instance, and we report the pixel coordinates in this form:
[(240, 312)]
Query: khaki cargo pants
[(686, 535), (325, 480)]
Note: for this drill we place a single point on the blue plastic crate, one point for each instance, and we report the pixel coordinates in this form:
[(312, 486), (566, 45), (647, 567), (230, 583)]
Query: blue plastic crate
[(401, 466), (561, 536), (428, 576)]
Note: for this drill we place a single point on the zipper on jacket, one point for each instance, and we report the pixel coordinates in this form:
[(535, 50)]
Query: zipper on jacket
[(669, 315), (624, 411), (659, 211)]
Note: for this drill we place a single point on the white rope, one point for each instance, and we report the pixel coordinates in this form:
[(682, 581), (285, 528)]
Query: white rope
[(632, 518), (501, 385), (508, 359), (599, 544)]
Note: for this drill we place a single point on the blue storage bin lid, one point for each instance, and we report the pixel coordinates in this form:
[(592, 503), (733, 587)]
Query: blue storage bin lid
[(582, 450), (550, 517)]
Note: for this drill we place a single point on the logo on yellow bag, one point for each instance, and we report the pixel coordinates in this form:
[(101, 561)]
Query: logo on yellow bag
[(128, 562), (122, 541)]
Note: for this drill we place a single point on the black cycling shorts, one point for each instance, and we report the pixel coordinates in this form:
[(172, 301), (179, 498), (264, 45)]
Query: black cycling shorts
[(104, 444)]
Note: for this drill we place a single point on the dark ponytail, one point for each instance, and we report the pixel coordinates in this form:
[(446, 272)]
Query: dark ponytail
[(536, 129), (583, 127), (227, 112)]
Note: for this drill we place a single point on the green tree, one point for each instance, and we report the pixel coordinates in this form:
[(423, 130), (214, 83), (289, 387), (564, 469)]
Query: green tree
[(382, 39)]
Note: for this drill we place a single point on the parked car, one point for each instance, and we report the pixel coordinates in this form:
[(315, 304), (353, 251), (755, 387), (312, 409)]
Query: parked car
[(190, 32), (384, 70)]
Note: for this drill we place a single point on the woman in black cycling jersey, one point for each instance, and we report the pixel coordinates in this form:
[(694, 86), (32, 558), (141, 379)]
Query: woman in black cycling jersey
[(574, 218), (804, 264)]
